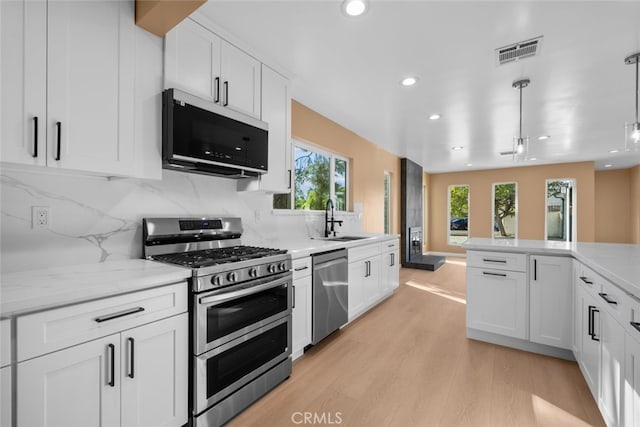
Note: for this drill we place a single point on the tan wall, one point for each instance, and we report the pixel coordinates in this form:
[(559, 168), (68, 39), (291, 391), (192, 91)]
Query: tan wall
[(531, 201), (613, 206), (368, 163), (634, 191)]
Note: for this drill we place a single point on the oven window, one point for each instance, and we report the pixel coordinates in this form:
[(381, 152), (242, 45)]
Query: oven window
[(231, 316), (227, 367)]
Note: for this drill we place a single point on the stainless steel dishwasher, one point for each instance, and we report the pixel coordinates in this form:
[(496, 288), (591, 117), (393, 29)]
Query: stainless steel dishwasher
[(330, 293)]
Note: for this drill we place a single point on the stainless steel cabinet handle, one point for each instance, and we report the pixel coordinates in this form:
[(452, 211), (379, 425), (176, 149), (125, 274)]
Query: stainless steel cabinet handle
[(112, 365), (301, 268), (226, 93), (217, 89), (59, 129), (119, 314), (393, 260), (293, 297), (35, 137), (486, 273), (607, 299), (501, 261), (131, 356)]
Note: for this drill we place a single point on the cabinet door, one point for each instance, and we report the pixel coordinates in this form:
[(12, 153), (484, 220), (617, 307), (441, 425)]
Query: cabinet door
[(497, 302), (550, 297), (276, 111), (301, 335), (591, 335), (75, 387), (577, 313), (390, 277), (373, 289), (631, 381), (90, 86), (23, 38), (357, 300), (240, 75), (192, 60), (5, 397), (612, 342), (155, 374)]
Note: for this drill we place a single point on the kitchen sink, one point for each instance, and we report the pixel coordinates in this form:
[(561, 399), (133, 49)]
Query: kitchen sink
[(346, 238)]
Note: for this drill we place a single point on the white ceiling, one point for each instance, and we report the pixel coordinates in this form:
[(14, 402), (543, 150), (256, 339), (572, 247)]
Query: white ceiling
[(349, 69)]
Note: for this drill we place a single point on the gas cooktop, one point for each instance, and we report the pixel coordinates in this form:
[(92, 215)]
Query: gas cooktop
[(209, 257)]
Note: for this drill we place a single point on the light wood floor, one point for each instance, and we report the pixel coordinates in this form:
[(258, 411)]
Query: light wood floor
[(408, 362)]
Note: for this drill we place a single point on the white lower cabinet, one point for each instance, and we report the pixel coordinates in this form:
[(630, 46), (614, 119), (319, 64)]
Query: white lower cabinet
[(390, 267), (5, 397), (631, 383), (364, 278), (550, 292), (136, 378), (497, 301), (302, 309), (612, 365), (590, 340)]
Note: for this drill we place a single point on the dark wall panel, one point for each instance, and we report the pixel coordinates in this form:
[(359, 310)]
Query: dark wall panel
[(411, 203)]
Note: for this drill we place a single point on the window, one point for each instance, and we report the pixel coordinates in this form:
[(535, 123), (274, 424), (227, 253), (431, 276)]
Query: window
[(458, 214), (317, 176), (560, 223), (505, 210), (387, 202)]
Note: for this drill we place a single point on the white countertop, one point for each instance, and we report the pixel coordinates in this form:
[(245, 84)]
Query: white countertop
[(617, 262), (304, 247), (35, 290)]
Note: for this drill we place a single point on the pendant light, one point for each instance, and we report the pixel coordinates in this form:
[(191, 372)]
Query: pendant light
[(632, 130), (520, 143)]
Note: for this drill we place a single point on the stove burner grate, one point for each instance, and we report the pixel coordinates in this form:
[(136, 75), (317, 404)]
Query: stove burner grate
[(209, 257)]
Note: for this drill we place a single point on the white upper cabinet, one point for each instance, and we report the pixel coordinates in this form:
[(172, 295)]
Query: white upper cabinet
[(68, 85), (201, 63)]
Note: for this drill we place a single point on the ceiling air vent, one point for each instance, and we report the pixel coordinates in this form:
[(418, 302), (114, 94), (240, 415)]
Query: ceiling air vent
[(517, 51)]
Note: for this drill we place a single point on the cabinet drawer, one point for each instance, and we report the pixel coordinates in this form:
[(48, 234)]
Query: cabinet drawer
[(633, 305), (588, 278), (301, 267), (497, 260), (389, 245), (614, 300), (361, 252), (55, 329), (5, 342)]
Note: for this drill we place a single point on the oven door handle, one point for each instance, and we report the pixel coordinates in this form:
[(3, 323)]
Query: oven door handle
[(242, 292)]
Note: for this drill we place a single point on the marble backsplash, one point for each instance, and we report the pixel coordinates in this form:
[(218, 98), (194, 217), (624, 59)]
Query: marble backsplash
[(95, 219)]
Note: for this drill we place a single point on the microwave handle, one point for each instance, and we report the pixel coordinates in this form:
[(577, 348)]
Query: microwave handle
[(242, 292)]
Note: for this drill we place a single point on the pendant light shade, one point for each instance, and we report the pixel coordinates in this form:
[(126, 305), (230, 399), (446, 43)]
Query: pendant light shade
[(632, 130), (520, 143)]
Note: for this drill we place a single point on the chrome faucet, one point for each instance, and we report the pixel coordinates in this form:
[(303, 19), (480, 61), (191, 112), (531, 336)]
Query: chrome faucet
[(327, 220)]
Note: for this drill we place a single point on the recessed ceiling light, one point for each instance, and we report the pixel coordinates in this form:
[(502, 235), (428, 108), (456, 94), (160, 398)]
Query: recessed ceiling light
[(543, 137), (469, 164), (434, 116), (409, 81), (457, 148), (608, 165), (614, 151), (533, 159), (354, 7)]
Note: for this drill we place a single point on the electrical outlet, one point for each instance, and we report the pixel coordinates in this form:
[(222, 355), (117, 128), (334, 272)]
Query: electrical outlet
[(40, 216)]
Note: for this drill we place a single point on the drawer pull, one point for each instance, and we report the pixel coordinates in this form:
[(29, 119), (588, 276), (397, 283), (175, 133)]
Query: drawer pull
[(391, 245), (486, 273), (301, 268), (585, 280), (500, 261), (119, 314), (131, 356), (635, 325), (35, 137), (605, 297), (592, 320)]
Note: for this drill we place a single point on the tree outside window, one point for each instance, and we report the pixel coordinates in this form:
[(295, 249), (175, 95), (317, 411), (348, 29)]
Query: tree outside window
[(458, 214), (317, 176), (505, 219)]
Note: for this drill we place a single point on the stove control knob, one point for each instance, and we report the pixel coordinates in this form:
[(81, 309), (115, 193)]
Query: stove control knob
[(253, 272), (216, 280), (271, 268), (232, 276), (282, 266)]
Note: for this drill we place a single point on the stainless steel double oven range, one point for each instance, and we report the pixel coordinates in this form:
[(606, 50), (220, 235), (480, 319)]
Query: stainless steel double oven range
[(240, 312)]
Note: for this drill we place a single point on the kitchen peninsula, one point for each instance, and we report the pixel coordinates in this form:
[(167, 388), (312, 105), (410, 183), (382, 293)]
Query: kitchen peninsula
[(572, 300)]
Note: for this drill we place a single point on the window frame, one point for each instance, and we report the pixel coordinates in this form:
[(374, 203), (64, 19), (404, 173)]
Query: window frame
[(332, 180), (448, 225)]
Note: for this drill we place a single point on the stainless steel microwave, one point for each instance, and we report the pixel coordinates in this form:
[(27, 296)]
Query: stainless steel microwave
[(202, 137)]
